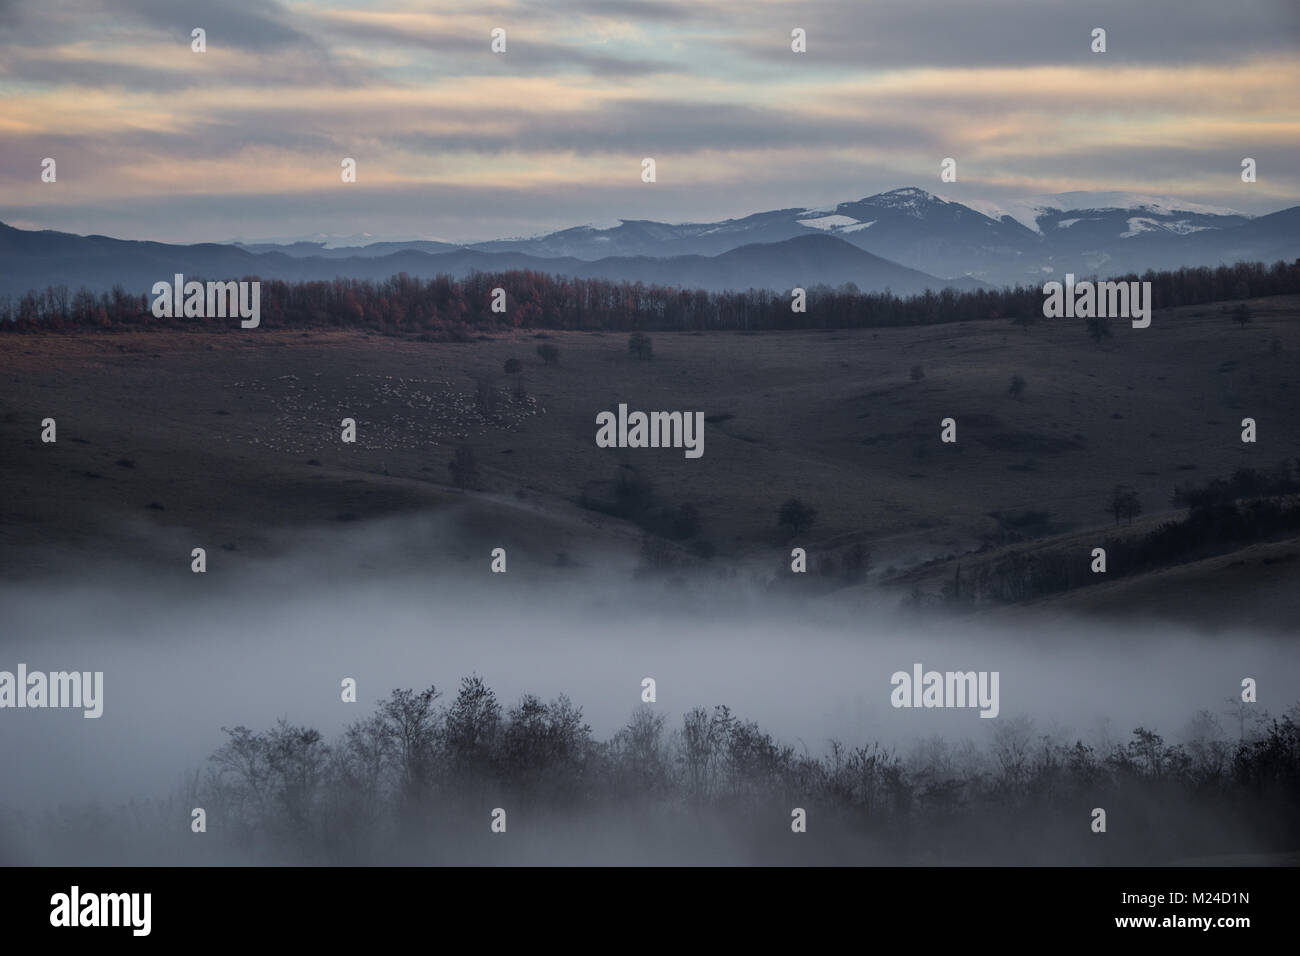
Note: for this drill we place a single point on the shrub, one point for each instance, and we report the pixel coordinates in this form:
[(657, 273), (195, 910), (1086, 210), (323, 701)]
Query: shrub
[(795, 516), (464, 468), (639, 345)]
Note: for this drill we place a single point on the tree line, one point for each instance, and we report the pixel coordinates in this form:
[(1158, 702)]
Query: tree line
[(450, 309), (417, 772)]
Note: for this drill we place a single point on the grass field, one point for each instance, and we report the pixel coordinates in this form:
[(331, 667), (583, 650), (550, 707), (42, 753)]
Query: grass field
[(232, 438)]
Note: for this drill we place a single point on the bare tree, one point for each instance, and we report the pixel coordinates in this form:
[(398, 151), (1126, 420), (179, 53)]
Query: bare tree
[(473, 724), (639, 345), (1124, 503), (1098, 328), (464, 468), (488, 398), (795, 516), (410, 721)]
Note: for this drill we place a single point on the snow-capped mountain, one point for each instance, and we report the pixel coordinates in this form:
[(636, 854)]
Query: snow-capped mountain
[(1007, 241), (902, 215), (905, 240), (999, 242), (1086, 232), (1056, 208)]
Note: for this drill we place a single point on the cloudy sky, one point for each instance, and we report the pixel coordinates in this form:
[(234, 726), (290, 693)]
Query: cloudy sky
[(453, 141)]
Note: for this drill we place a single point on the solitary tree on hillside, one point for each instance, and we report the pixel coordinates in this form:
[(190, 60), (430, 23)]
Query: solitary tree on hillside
[(488, 398), (464, 468), (796, 516), (1124, 503), (1241, 315), (639, 345), (1132, 506), (1099, 328), (855, 563)]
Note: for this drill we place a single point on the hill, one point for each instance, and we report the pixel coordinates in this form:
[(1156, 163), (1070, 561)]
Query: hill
[(236, 435), (34, 260)]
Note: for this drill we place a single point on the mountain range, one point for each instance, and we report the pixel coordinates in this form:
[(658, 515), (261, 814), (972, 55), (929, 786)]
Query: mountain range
[(905, 240)]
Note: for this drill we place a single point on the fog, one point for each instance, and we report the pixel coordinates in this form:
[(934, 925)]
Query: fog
[(184, 655)]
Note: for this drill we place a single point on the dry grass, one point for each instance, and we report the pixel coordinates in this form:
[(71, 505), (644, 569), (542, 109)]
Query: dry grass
[(221, 427)]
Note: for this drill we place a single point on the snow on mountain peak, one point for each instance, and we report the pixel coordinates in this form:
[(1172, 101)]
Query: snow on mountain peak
[(903, 196), (828, 222), (1028, 209), (1023, 211), (909, 199), (1135, 201)]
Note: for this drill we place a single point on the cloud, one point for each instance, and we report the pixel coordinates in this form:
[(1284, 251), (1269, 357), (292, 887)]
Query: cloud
[(463, 44), (250, 24), (654, 11), (911, 33), (736, 121)]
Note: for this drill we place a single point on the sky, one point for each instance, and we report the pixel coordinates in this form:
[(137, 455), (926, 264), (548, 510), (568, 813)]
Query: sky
[(453, 141)]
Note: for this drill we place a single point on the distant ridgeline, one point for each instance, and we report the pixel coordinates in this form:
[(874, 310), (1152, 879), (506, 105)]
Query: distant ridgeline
[(450, 309)]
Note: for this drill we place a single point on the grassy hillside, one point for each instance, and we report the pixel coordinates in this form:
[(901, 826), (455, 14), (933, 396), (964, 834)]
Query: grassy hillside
[(236, 434)]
